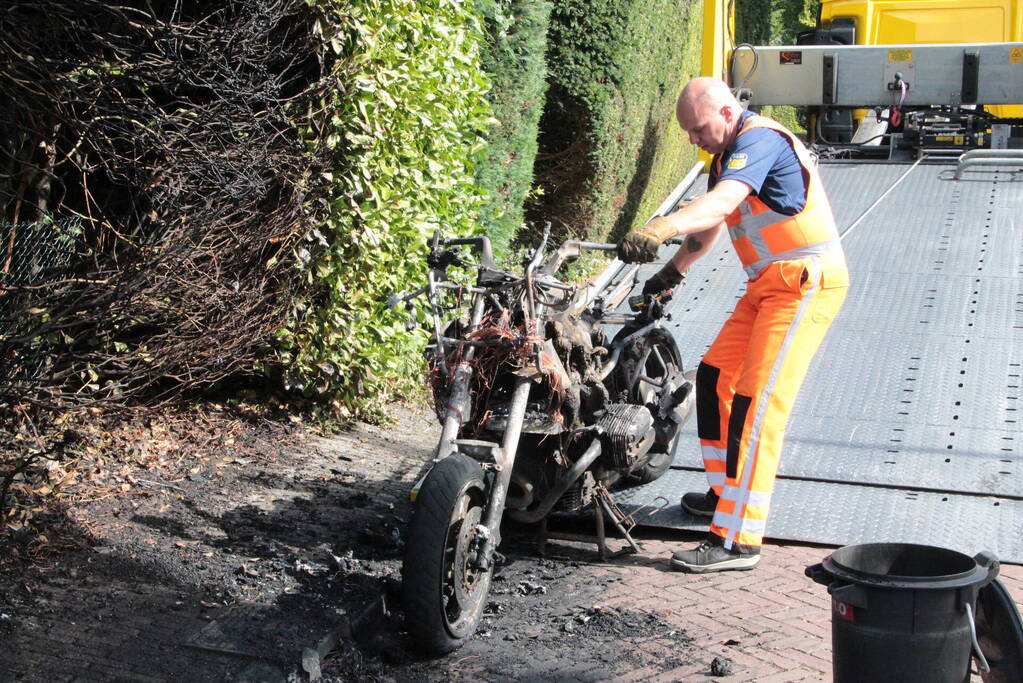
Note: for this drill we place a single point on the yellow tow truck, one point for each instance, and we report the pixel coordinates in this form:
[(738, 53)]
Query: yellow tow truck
[(973, 96)]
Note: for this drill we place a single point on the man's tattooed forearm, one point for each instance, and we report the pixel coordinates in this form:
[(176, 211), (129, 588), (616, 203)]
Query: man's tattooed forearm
[(693, 244)]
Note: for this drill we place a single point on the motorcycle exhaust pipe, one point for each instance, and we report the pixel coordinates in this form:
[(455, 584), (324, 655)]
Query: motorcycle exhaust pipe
[(566, 480), (520, 495)]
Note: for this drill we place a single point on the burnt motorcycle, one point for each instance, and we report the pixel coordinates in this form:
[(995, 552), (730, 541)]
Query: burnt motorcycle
[(541, 412)]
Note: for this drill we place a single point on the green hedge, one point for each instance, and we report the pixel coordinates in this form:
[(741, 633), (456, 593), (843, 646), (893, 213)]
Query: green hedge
[(673, 156), (516, 41), (412, 140), (398, 136), (615, 70)]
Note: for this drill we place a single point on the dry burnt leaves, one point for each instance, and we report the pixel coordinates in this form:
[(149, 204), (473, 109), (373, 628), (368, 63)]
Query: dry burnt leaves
[(91, 455)]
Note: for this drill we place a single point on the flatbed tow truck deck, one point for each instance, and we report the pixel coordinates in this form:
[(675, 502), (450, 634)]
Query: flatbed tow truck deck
[(909, 427)]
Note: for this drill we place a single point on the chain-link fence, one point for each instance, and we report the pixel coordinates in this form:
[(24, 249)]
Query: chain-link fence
[(33, 254)]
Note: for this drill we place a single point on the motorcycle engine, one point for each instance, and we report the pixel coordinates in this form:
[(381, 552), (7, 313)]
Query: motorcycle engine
[(627, 434)]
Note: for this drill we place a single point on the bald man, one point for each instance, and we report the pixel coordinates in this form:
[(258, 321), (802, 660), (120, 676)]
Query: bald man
[(765, 191)]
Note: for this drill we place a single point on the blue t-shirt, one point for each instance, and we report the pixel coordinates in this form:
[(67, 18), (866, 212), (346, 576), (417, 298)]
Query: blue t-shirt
[(763, 159)]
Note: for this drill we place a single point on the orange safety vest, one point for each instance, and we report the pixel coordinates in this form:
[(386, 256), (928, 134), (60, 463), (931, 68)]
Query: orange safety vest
[(762, 236)]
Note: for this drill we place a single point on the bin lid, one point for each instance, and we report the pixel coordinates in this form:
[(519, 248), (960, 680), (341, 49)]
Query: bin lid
[(909, 566), (1000, 634)]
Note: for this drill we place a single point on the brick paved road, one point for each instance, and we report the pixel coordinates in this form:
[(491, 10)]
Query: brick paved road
[(773, 623)]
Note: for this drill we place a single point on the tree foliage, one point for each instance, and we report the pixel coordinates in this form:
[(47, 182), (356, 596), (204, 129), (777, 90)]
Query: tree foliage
[(514, 60)]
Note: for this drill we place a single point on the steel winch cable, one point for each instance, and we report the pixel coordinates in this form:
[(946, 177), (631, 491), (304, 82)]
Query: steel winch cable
[(877, 201)]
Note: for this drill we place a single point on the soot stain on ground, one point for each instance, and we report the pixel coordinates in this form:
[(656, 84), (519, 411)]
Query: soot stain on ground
[(252, 562)]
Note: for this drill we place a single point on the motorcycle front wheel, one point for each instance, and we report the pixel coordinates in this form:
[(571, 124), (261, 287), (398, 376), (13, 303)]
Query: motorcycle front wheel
[(443, 592)]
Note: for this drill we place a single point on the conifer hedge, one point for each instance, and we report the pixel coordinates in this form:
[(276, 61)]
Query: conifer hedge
[(514, 59), (616, 69)]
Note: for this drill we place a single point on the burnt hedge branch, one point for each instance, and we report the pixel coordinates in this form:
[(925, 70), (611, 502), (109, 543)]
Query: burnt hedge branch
[(157, 144)]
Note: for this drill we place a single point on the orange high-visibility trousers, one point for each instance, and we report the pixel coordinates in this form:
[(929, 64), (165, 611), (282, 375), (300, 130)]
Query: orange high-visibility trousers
[(748, 381)]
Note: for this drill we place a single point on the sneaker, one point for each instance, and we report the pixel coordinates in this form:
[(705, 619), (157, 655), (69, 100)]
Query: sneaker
[(702, 504), (712, 557)]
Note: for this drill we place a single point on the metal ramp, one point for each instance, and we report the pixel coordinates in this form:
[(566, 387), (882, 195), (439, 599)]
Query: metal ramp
[(909, 427)]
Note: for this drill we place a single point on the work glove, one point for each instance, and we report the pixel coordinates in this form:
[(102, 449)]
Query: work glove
[(667, 277), (640, 246)]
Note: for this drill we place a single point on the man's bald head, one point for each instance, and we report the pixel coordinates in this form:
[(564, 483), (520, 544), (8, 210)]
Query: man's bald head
[(704, 91), (709, 113)]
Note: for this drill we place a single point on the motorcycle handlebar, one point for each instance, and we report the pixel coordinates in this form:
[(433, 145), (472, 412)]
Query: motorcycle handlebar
[(571, 248), (568, 249), (482, 244)]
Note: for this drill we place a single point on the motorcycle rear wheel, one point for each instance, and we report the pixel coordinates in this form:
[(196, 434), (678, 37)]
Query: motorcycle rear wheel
[(443, 594), (659, 366)]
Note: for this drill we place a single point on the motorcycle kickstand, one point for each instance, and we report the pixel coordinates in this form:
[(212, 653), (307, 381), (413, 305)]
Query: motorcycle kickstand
[(606, 504), (541, 538), (600, 506), (600, 539)]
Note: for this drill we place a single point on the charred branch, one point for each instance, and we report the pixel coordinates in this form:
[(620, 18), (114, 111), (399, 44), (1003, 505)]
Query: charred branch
[(152, 184)]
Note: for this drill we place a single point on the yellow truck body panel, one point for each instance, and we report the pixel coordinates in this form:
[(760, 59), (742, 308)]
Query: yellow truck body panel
[(895, 22)]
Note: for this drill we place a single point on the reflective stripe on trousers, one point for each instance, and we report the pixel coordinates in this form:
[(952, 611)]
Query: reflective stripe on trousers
[(748, 381)]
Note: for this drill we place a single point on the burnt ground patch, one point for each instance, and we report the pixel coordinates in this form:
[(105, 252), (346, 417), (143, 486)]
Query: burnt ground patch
[(260, 565), (544, 620)]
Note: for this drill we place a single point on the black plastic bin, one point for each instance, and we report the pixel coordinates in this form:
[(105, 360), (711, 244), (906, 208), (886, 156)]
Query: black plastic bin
[(902, 612)]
